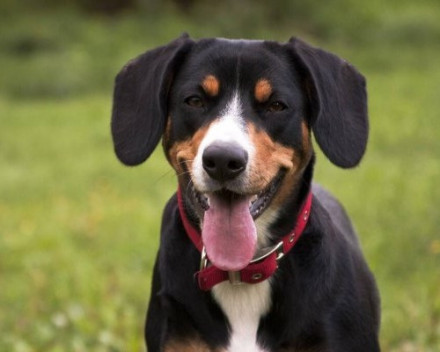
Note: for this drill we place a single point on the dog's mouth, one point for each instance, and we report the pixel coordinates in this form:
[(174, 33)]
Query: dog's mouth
[(228, 232), (258, 202)]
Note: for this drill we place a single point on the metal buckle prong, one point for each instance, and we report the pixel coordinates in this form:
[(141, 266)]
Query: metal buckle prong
[(234, 277), (278, 248), (203, 259), (280, 251)]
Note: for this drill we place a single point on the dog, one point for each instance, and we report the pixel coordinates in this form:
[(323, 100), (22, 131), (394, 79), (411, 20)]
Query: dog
[(253, 255)]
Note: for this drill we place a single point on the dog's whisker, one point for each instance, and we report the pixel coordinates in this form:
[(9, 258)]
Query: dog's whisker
[(183, 173), (165, 174)]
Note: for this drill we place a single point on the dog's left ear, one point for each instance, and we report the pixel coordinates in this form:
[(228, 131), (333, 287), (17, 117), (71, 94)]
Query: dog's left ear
[(140, 100), (339, 103)]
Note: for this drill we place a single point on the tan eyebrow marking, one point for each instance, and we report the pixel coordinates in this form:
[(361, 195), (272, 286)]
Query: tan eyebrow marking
[(211, 85), (263, 90)]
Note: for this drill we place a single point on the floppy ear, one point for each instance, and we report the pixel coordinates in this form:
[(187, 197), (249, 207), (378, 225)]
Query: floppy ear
[(140, 100), (339, 103)]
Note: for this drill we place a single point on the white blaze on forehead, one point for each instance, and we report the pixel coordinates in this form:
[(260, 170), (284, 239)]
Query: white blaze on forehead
[(233, 108), (229, 127)]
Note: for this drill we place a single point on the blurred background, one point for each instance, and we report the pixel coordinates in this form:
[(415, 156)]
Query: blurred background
[(79, 232)]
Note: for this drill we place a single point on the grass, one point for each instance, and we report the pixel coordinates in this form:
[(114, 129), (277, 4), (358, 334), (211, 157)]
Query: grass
[(78, 232), (76, 251)]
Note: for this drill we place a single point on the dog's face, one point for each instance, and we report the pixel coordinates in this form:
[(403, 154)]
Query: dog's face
[(235, 125), (237, 137), (236, 118)]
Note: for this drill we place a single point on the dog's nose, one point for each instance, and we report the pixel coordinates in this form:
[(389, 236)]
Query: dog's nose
[(224, 161)]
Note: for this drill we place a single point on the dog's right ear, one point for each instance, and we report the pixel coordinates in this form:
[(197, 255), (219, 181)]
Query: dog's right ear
[(140, 100)]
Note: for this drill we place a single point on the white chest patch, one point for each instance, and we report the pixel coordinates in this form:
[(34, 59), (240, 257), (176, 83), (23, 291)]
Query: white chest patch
[(243, 305)]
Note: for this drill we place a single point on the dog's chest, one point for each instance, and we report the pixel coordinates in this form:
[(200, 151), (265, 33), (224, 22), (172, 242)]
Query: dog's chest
[(243, 305)]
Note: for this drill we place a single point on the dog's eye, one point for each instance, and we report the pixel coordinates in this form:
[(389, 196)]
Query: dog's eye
[(194, 101), (276, 106)]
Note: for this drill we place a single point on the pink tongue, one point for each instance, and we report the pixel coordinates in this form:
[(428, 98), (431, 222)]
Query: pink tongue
[(229, 233)]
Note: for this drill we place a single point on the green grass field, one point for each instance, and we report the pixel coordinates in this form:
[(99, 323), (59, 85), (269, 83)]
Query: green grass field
[(79, 232)]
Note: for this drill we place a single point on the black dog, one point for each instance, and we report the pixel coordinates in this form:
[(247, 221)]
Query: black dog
[(253, 257)]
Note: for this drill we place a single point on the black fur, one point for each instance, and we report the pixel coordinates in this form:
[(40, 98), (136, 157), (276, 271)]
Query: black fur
[(140, 100), (339, 118), (324, 297)]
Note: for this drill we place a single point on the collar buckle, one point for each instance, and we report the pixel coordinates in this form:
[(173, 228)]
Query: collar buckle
[(278, 248), (235, 277)]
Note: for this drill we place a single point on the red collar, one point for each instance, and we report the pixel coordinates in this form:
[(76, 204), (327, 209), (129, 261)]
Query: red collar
[(259, 269)]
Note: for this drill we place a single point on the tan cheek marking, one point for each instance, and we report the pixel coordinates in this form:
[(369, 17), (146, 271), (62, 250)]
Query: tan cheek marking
[(189, 345), (269, 158), (263, 90), (293, 176), (211, 85), (184, 153), (288, 184)]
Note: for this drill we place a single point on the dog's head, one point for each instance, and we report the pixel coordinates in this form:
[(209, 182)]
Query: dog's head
[(236, 118)]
